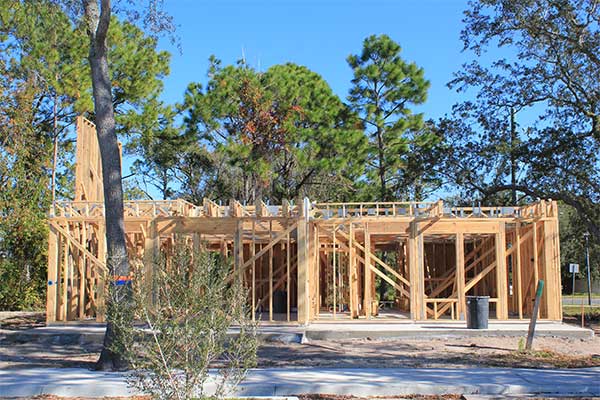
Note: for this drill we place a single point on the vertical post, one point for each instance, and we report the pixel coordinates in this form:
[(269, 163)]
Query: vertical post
[(270, 271), (81, 269), (303, 263), (287, 289), (501, 276), (553, 295), (317, 271), (412, 268), (252, 253), (533, 321), (334, 273), (353, 275), (52, 275), (238, 249), (415, 265), (460, 276), (421, 272), (285, 208), (518, 269), (536, 272), (535, 251), (65, 303), (556, 247), (367, 303), (150, 258), (587, 263), (196, 242), (101, 287)]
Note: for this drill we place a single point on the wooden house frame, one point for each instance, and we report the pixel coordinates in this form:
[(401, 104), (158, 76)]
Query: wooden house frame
[(306, 261)]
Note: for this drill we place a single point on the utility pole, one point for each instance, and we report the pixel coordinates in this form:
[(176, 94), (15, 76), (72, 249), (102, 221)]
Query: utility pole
[(587, 262), (513, 157)]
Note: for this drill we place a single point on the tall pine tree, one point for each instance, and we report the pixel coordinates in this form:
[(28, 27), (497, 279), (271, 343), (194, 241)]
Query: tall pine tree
[(383, 90)]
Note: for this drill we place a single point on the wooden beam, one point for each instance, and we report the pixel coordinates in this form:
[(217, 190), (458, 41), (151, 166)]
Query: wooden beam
[(288, 286), (368, 295), (238, 251), (377, 259), (334, 273), (469, 285), (65, 233), (101, 286), (353, 274), (501, 273), (272, 243), (53, 262), (252, 253), (270, 273), (517, 265), (460, 276), (551, 283), (64, 304), (279, 283), (82, 275), (303, 265)]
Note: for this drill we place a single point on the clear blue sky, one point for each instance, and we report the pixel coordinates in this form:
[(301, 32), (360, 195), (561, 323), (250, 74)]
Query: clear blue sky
[(319, 35)]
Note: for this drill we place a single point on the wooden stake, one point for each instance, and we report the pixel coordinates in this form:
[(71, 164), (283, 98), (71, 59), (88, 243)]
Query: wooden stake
[(533, 321)]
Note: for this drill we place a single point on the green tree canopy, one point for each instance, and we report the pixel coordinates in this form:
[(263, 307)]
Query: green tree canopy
[(552, 74), (383, 90), (44, 84), (284, 131)]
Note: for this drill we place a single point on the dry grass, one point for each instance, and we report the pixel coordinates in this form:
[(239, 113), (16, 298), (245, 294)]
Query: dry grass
[(542, 359)]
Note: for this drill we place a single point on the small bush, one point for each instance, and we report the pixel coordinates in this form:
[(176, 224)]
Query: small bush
[(187, 309)]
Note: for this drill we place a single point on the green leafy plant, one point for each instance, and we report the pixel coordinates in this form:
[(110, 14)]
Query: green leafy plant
[(521, 345), (187, 309)]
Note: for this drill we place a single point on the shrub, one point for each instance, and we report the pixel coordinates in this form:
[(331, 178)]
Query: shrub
[(186, 310)]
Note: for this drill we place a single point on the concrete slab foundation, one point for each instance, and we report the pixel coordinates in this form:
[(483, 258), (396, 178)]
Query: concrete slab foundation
[(85, 333)]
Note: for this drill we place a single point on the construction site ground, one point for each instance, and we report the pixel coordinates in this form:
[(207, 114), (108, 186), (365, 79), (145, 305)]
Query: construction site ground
[(23, 346)]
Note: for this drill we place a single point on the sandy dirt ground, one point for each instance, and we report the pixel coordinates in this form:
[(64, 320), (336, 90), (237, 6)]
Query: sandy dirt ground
[(455, 352), (386, 353)]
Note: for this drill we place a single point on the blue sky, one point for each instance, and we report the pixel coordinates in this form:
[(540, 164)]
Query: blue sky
[(319, 35)]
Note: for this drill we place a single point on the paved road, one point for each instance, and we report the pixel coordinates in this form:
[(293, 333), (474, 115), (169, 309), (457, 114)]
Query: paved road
[(569, 300), (360, 382)]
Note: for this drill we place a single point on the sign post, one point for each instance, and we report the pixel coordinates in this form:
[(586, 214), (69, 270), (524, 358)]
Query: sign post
[(533, 321), (573, 269)]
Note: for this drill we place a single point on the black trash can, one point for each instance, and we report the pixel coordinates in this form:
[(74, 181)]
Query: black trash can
[(279, 302), (478, 312)]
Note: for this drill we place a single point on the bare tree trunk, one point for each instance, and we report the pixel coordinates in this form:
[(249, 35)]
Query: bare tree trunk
[(55, 146), (381, 170), (98, 22)]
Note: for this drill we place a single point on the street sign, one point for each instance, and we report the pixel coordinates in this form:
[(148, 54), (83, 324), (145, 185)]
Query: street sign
[(574, 268)]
